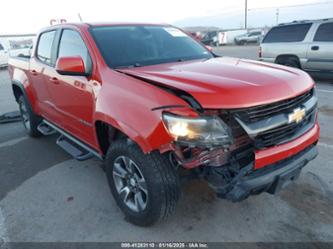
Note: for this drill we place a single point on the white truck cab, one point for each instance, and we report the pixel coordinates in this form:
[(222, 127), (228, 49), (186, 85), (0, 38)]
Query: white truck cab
[(3, 56)]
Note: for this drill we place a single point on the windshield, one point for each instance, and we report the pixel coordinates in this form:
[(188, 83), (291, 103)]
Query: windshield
[(131, 46)]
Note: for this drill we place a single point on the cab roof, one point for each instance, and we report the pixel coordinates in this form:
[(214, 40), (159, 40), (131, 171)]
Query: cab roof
[(84, 25), (101, 24)]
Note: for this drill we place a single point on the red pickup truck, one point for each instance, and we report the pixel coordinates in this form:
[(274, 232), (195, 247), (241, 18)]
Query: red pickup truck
[(158, 107)]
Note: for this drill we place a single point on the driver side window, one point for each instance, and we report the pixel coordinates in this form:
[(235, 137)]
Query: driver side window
[(71, 44)]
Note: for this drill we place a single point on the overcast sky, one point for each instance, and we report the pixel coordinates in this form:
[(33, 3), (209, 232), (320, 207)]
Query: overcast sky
[(28, 16)]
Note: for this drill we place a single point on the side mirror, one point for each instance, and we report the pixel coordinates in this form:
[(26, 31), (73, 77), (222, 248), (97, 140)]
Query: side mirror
[(73, 65)]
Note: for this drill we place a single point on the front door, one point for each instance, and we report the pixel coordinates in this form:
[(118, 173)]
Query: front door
[(73, 96)]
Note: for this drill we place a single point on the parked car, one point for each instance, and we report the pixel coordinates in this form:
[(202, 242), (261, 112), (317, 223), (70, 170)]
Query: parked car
[(212, 38), (3, 56), (228, 37), (303, 44), (157, 107), (196, 35), (253, 36), (21, 52)]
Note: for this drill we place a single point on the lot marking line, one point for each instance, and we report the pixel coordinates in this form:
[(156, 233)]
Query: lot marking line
[(12, 142), (329, 146), (3, 231)]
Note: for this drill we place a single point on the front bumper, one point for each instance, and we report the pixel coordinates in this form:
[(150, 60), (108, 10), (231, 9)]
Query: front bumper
[(270, 178), (269, 156)]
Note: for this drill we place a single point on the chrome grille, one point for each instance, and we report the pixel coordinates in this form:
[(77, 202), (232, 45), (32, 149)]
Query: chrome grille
[(283, 131), (256, 113)]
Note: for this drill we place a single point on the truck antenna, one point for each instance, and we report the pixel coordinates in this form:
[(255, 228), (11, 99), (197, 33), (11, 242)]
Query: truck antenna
[(80, 17)]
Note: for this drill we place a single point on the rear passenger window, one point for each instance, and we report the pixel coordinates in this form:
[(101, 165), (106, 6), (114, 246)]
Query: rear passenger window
[(71, 44), (44, 50), (290, 33), (324, 33)]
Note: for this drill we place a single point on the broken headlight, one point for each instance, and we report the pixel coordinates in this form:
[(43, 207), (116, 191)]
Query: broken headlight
[(203, 131)]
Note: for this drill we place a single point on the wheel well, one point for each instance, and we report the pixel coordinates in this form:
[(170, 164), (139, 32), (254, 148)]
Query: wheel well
[(17, 92), (106, 134), (283, 57)]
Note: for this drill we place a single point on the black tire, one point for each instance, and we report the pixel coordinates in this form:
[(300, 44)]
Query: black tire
[(162, 183), (29, 118), (290, 62)]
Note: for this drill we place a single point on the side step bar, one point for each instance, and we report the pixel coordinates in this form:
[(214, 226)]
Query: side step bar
[(70, 144), (73, 149), (45, 129)]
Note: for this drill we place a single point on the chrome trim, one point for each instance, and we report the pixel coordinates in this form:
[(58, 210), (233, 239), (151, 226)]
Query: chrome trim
[(253, 129)]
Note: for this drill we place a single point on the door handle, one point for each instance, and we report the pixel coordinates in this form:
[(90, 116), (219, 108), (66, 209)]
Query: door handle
[(54, 80), (315, 48), (34, 72)]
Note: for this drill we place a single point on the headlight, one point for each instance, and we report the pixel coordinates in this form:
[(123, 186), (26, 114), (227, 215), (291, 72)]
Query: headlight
[(207, 131)]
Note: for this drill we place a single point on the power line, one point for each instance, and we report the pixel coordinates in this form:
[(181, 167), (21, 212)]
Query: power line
[(292, 6), (277, 8)]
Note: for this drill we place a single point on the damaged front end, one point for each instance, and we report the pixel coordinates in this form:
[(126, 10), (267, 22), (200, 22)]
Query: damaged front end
[(221, 158), (227, 157), (194, 156)]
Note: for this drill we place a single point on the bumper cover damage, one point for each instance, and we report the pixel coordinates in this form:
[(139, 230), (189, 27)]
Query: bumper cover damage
[(269, 179)]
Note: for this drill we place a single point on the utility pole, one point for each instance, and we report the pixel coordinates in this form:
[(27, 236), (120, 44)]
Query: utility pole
[(277, 16), (245, 26)]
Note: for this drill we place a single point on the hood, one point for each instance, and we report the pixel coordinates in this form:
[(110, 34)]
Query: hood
[(227, 82)]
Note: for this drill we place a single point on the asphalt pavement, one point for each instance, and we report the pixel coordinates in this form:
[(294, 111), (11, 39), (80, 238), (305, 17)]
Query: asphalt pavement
[(47, 196)]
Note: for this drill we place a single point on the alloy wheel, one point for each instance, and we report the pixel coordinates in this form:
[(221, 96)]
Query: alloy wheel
[(130, 183)]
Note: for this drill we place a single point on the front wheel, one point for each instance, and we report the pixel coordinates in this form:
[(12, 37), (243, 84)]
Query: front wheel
[(241, 43), (145, 186)]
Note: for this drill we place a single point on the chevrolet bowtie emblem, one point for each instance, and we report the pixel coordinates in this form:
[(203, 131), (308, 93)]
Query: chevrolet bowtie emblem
[(297, 115)]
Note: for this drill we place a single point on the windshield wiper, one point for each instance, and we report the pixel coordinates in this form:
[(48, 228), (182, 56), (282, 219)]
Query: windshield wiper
[(129, 66)]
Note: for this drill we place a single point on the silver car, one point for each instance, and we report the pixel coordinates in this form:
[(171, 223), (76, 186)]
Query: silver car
[(253, 36), (303, 44)]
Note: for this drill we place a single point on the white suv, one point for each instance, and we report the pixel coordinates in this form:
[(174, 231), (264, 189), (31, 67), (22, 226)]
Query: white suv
[(3, 56), (304, 44)]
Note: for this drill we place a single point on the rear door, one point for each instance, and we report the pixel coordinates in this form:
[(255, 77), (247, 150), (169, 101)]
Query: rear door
[(73, 96), (285, 40), (320, 52), (41, 63)]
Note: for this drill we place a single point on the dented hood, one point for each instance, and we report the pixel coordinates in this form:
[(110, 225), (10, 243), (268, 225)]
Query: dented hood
[(228, 82)]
